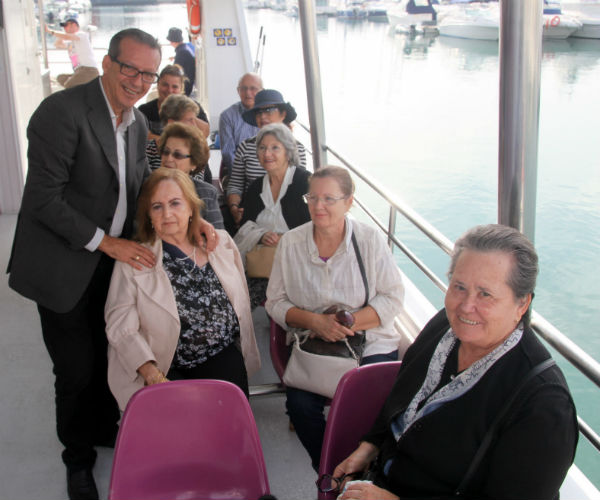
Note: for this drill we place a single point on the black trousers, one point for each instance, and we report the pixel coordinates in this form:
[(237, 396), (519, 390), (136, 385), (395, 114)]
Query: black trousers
[(228, 365), (86, 411)]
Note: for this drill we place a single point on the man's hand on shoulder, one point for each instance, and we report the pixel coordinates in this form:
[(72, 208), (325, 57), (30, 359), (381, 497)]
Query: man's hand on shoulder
[(127, 251), (207, 232)]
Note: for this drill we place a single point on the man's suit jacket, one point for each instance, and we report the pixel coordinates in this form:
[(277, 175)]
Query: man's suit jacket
[(72, 188)]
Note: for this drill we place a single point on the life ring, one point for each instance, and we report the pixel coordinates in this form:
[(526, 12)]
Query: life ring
[(194, 16), (555, 21)]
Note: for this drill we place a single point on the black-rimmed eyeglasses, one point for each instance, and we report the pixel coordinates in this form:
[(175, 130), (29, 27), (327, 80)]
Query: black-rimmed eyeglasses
[(326, 483), (132, 72)]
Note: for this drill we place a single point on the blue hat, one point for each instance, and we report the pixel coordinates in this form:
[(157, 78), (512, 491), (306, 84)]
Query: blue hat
[(69, 20), (266, 98)]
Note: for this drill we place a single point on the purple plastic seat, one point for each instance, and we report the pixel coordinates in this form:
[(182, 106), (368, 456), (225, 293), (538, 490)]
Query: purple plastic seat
[(188, 439), (280, 352), (354, 407)]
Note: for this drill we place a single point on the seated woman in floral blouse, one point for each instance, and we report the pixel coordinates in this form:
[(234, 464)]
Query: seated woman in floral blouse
[(188, 317)]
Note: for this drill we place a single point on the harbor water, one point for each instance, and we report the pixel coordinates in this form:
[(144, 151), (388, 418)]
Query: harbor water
[(421, 116)]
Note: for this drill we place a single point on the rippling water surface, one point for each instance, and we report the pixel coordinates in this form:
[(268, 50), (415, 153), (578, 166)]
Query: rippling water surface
[(422, 117)]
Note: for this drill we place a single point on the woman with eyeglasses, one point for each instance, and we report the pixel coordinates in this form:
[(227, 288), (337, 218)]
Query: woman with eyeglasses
[(316, 267), (170, 81), (179, 108), (187, 317), (273, 203), (184, 148), (269, 107)]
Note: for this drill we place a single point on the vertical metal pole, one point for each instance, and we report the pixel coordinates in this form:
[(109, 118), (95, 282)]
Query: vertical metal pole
[(308, 24), (42, 15), (391, 227), (520, 75)]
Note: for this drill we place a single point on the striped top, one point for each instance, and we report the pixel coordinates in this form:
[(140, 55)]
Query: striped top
[(246, 167)]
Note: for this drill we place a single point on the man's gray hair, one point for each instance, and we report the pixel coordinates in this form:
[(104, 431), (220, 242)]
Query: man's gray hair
[(254, 75), (114, 47), (499, 238), (284, 135)]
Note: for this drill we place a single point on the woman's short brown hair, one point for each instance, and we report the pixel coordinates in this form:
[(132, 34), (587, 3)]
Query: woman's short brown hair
[(339, 174), (195, 140), (145, 232), (175, 106), (174, 70)]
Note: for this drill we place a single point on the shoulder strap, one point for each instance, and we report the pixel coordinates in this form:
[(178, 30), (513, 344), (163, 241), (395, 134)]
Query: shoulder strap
[(487, 439), (362, 269)]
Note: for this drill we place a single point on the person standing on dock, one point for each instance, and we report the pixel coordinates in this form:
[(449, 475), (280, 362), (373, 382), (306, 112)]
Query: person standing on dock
[(184, 57), (87, 164), (81, 54)]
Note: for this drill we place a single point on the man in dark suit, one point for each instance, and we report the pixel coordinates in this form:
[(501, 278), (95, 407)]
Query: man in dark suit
[(87, 163)]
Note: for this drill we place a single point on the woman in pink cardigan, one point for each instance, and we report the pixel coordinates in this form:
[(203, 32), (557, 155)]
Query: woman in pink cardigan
[(188, 317)]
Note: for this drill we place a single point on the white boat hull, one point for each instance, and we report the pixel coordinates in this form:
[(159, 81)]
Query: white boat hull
[(590, 26), (485, 25), (472, 32), (560, 26)]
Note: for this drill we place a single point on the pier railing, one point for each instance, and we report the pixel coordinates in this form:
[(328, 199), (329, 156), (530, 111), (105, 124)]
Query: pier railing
[(582, 361)]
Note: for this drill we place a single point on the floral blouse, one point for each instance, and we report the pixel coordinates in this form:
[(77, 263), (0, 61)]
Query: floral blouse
[(208, 321)]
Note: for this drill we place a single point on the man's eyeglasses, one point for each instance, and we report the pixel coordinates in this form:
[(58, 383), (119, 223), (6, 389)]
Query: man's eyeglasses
[(254, 90), (266, 111), (131, 72), (326, 483), (312, 199), (175, 154)]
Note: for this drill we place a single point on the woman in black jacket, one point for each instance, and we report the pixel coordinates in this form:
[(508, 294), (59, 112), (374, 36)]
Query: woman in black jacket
[(459, 376), (273, 203)]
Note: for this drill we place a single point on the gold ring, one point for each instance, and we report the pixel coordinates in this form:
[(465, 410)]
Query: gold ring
[(137, 257)]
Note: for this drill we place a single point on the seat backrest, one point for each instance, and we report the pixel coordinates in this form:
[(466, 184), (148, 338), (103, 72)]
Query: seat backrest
[(280, 352), (188, 439), (355, 405)]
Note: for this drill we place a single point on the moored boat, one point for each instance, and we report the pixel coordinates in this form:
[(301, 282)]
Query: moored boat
[(352, 11), (412, 13), (482, 22)]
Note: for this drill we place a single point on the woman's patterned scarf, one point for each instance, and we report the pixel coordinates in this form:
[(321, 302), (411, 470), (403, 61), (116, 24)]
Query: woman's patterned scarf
[(456, 387)]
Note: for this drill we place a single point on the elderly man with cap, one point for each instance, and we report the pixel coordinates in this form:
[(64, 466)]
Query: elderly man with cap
[(269, 107), (80, 51), (232, 127), (184, 56)]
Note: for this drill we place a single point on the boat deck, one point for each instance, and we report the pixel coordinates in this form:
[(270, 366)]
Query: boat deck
[(30, 463)]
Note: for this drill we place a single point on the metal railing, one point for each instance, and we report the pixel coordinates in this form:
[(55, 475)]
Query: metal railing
[(582, 361)]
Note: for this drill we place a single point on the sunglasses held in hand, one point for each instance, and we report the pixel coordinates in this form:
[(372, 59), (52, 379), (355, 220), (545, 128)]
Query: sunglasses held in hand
[(342, 316)]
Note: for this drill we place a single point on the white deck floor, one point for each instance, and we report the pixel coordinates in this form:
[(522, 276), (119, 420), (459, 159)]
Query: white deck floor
[(30, 463)]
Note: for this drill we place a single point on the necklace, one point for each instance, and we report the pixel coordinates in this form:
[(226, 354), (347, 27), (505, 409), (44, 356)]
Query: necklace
[(191, 257)]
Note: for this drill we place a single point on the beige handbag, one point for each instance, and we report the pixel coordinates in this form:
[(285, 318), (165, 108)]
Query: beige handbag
[(259, 261), (317, 366)]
